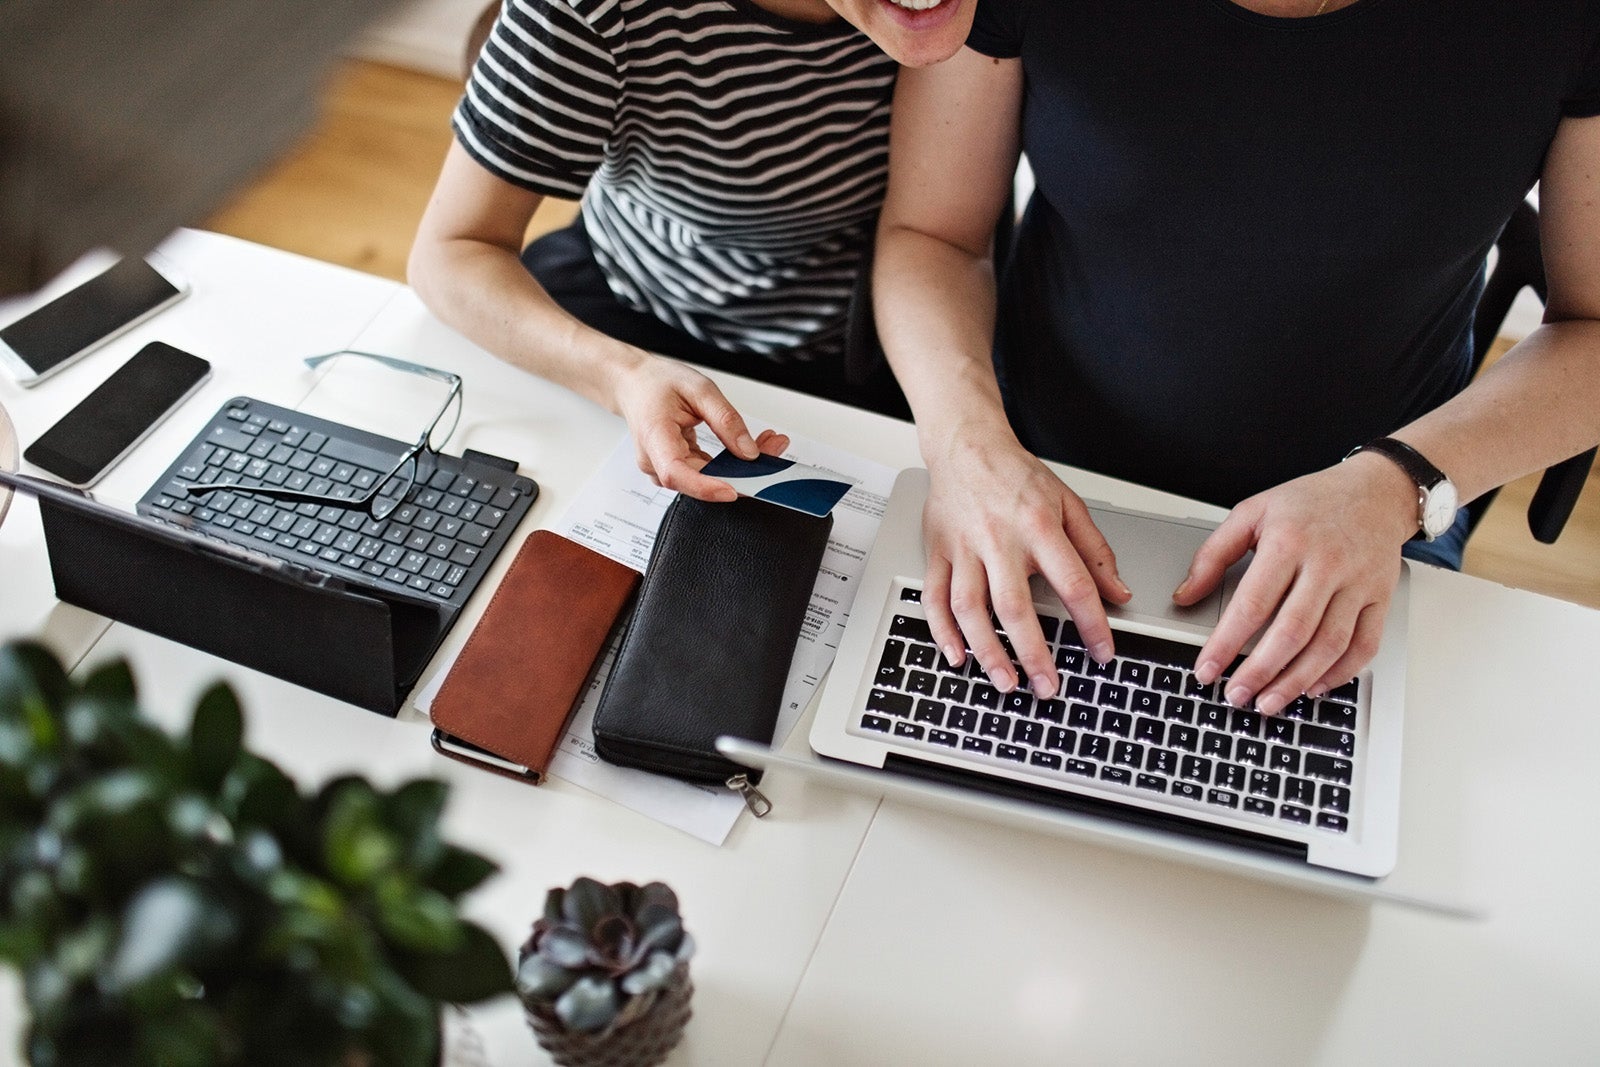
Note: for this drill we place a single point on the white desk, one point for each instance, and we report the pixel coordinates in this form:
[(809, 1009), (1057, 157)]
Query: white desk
[(842, 931)]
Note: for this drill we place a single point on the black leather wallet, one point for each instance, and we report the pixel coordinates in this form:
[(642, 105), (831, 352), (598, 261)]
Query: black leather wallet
[(708, 649)]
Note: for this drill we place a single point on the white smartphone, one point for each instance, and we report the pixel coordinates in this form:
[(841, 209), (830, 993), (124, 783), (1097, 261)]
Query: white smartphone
[(52, 337), (105, 426)]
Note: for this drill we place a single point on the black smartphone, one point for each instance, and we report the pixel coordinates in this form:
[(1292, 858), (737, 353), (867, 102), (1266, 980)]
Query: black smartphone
[(91, 437), (53, 336)]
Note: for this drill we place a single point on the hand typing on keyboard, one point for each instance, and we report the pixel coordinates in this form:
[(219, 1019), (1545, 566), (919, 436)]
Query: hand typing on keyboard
[(1326, 565), (1327, 559), (995, 516)]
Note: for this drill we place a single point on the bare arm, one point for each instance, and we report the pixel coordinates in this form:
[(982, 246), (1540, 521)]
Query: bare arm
[(995, 513), (1326, 544), (465, 264)]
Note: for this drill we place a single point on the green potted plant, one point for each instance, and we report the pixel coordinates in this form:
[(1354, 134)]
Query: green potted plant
[(604, 977), (177, 900)]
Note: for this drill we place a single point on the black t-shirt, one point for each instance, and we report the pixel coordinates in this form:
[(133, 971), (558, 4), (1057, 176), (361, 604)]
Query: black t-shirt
[(1257, 242)]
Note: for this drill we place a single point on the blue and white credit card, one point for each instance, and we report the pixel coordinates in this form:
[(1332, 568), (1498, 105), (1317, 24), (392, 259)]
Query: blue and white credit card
[(779, 481)]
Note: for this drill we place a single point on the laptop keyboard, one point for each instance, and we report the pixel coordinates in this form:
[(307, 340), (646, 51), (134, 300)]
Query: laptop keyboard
[(438, 543), (1139, 725)]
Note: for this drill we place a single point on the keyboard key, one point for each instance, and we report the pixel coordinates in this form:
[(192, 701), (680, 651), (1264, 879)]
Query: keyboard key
[(976, 744), (913, 628), (893, 653), (1222, 798), (906, 729), (1151, 782), (1285, 759), (1248, 750), (1302, 791), (1259, 806), (963, 719), (1050, 710), (1113, 695), (1215, 744), (1079, 688), (897, 704), (1193, 688), (1279, 731), (1048, 760), (1294, 813), (1229, 776), (1145, 702), (1179, 708), (1065, 740), (1337, 823), (1070, 659), (1014, 753), (1265, 784), (1195, 769), (1127, 754), (1133, 673), (1161, 761), (930, 711), (1323, 739), (875, 722), (1334, 798), (953, 689), (1298, 709), (1116, 722), (1083, 716), (1017, 702), (1244, 721), (1188, 791), (1347, 693), (984, 695), (1185, 737), (943, 737), (1213, 716), (1028, 732), (923, 656), (1095, 747), (1095, 669), (1119, 775), (1152, 731), (1328, 768), (1078, 766), (1166, 679), (994, 725), (1338, 716), (923, 683)]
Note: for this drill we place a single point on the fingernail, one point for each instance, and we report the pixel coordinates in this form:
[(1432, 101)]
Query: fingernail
[(1044, 685), (952, 655), (1102, 652), (1270, 704), (1123, 586), (1238, 696), (748, 446), (1183, 587), (1318, 690), (1003, 680), (1206, 673)]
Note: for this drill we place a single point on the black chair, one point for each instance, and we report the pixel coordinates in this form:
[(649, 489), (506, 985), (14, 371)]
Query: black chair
[(1520, 265)]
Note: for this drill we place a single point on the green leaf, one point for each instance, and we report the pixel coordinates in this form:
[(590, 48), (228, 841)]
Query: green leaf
[(457, 870), (111, 683), (415, 917), (30, 674), (357, 847), (168, 923), (413, 811), (216, 736), (474, 971), (257, 793)]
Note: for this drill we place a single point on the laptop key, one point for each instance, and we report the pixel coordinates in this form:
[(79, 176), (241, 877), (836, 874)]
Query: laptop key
[(1259, 806), (1334, 798), (1048, 760), (944, 737), (1151, 782), (1119, 775), (922, 683), (1014, 753), (897, 704), (976, 744), (1294, 813), (1061, 739), (1187, 790), (994, 725), (906, 729), (963, 719), (1323, 739), (1222, 797), (1328, 768), (1338, 716), (893, 653), (915, 629), (1028, 732), (1079, 766), (930, 711), (876, 722), (1337, 823)]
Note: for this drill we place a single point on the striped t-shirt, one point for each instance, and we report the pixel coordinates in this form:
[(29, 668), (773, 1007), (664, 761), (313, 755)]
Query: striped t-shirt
[(731, 163)]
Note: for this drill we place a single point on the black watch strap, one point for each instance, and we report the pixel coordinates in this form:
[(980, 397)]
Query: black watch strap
[(1414, 463)]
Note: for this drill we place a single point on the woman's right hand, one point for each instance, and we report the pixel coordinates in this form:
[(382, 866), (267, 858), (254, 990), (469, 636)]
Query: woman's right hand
[(663, 402), (996, 515)]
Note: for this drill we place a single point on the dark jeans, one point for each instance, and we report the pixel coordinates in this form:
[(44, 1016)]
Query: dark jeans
[(564, 263)]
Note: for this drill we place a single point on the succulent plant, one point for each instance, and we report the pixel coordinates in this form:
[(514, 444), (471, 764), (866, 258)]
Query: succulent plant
[(177, 900), (601, 953)]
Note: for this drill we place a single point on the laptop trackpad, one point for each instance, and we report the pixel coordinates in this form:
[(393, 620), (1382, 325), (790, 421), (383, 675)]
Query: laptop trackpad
[(1153, 556)]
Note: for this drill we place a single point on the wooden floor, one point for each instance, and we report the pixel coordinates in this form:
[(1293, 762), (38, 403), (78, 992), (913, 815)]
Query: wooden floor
[(354, 190)]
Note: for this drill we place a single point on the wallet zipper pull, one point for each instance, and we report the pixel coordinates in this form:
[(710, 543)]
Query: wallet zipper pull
[(754, 799)]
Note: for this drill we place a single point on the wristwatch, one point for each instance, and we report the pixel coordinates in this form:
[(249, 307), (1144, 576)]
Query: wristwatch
[(1437, 499)]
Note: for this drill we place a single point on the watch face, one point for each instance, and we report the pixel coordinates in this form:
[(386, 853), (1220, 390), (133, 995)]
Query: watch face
[(1438, 509)]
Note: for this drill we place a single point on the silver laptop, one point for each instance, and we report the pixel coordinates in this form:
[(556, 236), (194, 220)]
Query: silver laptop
[(1136, 753)]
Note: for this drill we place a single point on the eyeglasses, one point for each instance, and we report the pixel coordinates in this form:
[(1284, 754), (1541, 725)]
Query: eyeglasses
[(389, 490)]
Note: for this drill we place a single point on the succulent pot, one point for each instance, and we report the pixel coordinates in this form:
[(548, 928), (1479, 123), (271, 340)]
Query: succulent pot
[(642, 1034)]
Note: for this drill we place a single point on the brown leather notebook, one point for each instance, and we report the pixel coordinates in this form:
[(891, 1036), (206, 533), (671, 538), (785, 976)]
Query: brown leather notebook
[(508, 695)]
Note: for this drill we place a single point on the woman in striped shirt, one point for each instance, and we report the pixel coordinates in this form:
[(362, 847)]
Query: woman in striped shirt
[(731, 157)]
